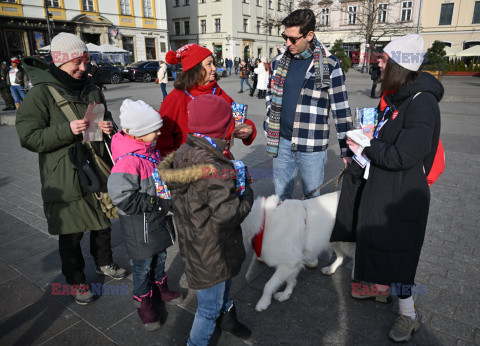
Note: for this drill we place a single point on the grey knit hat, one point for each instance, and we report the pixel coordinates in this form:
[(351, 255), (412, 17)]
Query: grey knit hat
[(66, 47), (139, 118)]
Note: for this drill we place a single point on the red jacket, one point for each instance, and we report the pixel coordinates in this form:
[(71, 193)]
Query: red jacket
[(175, 117)]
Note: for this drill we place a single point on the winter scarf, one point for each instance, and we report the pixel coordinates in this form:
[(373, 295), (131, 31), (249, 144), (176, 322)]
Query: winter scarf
[(322, 80), (67, 80)]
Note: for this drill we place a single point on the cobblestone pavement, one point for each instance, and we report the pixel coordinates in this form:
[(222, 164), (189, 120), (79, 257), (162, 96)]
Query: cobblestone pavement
[(320, 310)]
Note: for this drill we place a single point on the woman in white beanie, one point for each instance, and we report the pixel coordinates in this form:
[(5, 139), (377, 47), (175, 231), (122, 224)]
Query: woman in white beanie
[(384, 206), (43, 127)]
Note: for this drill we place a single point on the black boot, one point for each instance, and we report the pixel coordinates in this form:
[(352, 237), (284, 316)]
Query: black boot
[(228, 323)]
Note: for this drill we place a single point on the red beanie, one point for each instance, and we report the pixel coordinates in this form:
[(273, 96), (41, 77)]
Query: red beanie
[(189, 55), (210, 115)]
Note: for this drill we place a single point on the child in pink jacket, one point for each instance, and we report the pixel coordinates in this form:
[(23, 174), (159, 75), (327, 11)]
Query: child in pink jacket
[(142, 213)]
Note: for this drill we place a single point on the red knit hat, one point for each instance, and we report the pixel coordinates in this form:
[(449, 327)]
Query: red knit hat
[(189, 55), (210, 115)]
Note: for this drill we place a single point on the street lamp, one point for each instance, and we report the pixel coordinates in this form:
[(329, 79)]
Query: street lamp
[(47, 14)]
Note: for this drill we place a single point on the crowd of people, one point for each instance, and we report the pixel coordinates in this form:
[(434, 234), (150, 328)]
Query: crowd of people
[(168, 161)]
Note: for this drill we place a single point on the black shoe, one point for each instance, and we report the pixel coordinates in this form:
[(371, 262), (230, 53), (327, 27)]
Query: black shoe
[(228, 323), (13, 108), (6, 109), (241, 91)]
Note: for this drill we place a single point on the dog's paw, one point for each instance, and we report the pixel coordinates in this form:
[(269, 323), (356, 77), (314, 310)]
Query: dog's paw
[(281, 296), (312, 264), (327, 270), (263, 304)]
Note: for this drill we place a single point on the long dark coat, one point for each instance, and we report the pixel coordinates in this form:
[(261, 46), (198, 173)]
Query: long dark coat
[(387, 213)]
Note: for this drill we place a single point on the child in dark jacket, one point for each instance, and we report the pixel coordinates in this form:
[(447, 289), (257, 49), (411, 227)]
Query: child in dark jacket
[(142, 212), (209, 207)]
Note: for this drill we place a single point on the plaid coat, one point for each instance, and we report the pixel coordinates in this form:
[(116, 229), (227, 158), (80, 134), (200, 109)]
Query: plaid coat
[(311, 125)]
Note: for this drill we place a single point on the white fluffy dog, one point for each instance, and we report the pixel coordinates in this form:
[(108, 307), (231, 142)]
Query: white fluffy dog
[(296, 232)]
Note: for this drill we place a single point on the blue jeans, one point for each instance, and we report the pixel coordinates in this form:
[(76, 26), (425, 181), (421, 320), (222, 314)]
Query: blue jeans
[(229, 71), (163, 86), (150, 269), (211, 302), (246, 81), (174, 75), (17, 93), (287, 164)]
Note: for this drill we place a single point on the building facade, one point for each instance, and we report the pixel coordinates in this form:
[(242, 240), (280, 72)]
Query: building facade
[(139, 26), (455, 22), (229, 28), (347, 20)]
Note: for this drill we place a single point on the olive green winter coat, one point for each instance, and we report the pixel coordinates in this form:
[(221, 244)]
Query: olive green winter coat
[(43, 128)]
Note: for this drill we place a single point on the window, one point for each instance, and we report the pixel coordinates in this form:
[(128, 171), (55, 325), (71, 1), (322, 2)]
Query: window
[(382, 13), (324, 16), (270, 3), (9, 1), (150, 50), (406, 11), (203, 26), (163, 47), (125, 7), (128, 44), (186, 26), (259, 3), (352, 14), (177, 28), (279, 5), (203, 1), (218, 27), (176, 3), (259, 24), (476, 13), (88, 5), (186, 2), (270, 27), (147, 8), (245, 1), (446, 14), (50, 3), (245, 25)]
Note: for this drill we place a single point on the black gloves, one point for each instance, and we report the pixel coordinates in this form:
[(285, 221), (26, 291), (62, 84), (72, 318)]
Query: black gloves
[(159, 204), (248, 194)]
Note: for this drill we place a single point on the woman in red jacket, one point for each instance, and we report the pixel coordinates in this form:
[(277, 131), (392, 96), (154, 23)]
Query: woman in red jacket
[(197, 78)]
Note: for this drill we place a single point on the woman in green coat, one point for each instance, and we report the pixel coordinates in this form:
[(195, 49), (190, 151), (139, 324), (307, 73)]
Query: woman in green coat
[(43, 128)]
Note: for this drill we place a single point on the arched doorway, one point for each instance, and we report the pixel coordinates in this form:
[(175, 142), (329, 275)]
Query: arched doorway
[(246, 53)]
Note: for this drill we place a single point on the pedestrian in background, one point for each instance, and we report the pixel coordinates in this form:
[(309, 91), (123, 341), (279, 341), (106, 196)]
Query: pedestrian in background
[(262, 72), (141, 211), (244, 75), (208, 214), (16, 76), (254, 77), (5, 88), (229, 66), (236, 64), (375, 74), (174, 69), (43, 127), (162, 77), (387, 201)]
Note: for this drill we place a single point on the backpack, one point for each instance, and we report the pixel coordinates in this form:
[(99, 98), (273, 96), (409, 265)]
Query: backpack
[(438, 165)]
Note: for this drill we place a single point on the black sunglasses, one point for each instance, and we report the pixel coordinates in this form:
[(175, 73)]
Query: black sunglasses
[(292, 39)]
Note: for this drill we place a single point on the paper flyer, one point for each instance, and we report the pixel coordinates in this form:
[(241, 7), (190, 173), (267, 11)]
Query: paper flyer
[(94, 115)]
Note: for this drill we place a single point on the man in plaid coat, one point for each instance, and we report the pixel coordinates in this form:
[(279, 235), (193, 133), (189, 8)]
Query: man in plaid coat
[(306, 83)]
